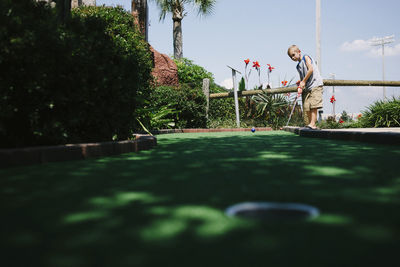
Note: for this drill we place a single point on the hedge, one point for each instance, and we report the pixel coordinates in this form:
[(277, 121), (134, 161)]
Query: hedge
[(83, 82)]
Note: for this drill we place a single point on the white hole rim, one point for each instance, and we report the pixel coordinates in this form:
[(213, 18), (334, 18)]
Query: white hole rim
[(248, 206)]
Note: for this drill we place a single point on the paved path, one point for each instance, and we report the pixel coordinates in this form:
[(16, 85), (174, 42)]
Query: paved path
[(376, 135)]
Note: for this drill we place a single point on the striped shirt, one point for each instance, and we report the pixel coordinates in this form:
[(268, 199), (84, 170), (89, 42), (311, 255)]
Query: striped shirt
[(315, 79)]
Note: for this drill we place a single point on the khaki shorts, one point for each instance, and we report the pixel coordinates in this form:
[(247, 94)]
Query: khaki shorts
[(312, 98)]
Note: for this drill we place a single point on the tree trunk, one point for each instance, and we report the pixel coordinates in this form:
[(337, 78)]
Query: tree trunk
[(140, 13), (63, 10), (177, 33)]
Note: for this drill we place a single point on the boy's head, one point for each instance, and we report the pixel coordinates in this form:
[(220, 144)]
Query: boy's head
[(294, 53)]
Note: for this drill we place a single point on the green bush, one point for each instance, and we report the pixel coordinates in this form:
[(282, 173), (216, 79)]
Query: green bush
[(222, 111), (84, 82), (187, 104), (345, 117), (274, 109), (192, 74), (382, 114)]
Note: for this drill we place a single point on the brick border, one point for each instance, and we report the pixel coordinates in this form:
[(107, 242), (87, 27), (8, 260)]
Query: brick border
[(43, 154), (391, 138)]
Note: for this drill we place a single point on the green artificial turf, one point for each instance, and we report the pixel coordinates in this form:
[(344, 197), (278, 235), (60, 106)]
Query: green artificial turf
[(165, 207)]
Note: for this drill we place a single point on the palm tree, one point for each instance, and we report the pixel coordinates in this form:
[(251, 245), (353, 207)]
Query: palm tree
[(140, 13), (177, 9), (63, 10)]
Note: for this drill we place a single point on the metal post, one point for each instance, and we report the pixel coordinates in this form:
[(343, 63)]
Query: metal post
[(320, 115), (318, 32), (236, 98), (383, 70), (235, 95), (333, 93), (206, 91)]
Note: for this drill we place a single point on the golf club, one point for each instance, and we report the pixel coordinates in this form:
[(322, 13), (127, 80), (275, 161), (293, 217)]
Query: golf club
[(294, 105)]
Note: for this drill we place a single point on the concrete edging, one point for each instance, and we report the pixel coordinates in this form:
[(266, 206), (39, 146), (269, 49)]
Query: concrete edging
[(216, 130), (382, 136), (44, 154)]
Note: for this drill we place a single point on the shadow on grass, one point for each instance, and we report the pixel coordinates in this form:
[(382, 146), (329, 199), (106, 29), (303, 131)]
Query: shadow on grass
[(165, 207)]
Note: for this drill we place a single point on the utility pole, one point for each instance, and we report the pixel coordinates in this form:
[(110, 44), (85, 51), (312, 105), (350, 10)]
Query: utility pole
[(333, 75), (318, 32), (381, 42)]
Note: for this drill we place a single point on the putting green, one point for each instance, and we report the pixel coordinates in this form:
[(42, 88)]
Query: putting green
[(165, 206)]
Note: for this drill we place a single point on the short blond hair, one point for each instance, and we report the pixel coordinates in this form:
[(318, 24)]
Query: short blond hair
[(292, 47)]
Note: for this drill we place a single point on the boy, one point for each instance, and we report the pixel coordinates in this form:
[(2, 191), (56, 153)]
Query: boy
[(310, 86)]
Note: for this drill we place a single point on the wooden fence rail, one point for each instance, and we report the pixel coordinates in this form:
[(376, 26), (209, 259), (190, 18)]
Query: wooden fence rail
[(327, 82)]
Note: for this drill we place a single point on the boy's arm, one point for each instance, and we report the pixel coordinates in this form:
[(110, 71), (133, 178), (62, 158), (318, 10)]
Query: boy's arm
[(309, 72)]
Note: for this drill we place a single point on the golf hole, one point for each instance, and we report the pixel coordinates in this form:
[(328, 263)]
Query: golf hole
[(273, 212)]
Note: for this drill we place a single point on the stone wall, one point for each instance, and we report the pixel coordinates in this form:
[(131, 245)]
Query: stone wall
[(165, 70)]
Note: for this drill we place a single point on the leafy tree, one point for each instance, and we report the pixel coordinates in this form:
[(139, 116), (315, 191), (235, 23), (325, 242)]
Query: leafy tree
[(177, 9)]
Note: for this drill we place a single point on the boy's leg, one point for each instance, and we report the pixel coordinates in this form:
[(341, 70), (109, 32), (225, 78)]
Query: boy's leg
[(306, 117), (312, 115), (315, 100), (306, 108)]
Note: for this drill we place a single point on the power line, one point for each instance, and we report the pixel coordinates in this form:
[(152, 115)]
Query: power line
[(382, 42)]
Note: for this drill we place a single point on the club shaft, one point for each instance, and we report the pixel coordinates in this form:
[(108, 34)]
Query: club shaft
[(291, 113)]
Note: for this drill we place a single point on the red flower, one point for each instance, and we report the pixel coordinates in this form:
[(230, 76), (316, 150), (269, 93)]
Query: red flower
[(247, 61), (256, 65), (359, 116), (333, 99), (284, 83), (341, 121), (270, 67)]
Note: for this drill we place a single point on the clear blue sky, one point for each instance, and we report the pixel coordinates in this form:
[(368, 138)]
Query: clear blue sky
[(262, 30)]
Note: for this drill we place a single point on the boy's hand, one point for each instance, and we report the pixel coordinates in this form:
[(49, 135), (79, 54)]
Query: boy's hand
[(299, 90), (302, 84)]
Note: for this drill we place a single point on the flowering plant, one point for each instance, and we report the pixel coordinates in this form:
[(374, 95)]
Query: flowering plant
[(257, 66), (270, 68), (333, 99)]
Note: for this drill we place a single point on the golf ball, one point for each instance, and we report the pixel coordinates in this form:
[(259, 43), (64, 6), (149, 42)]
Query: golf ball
[(253, 129)]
